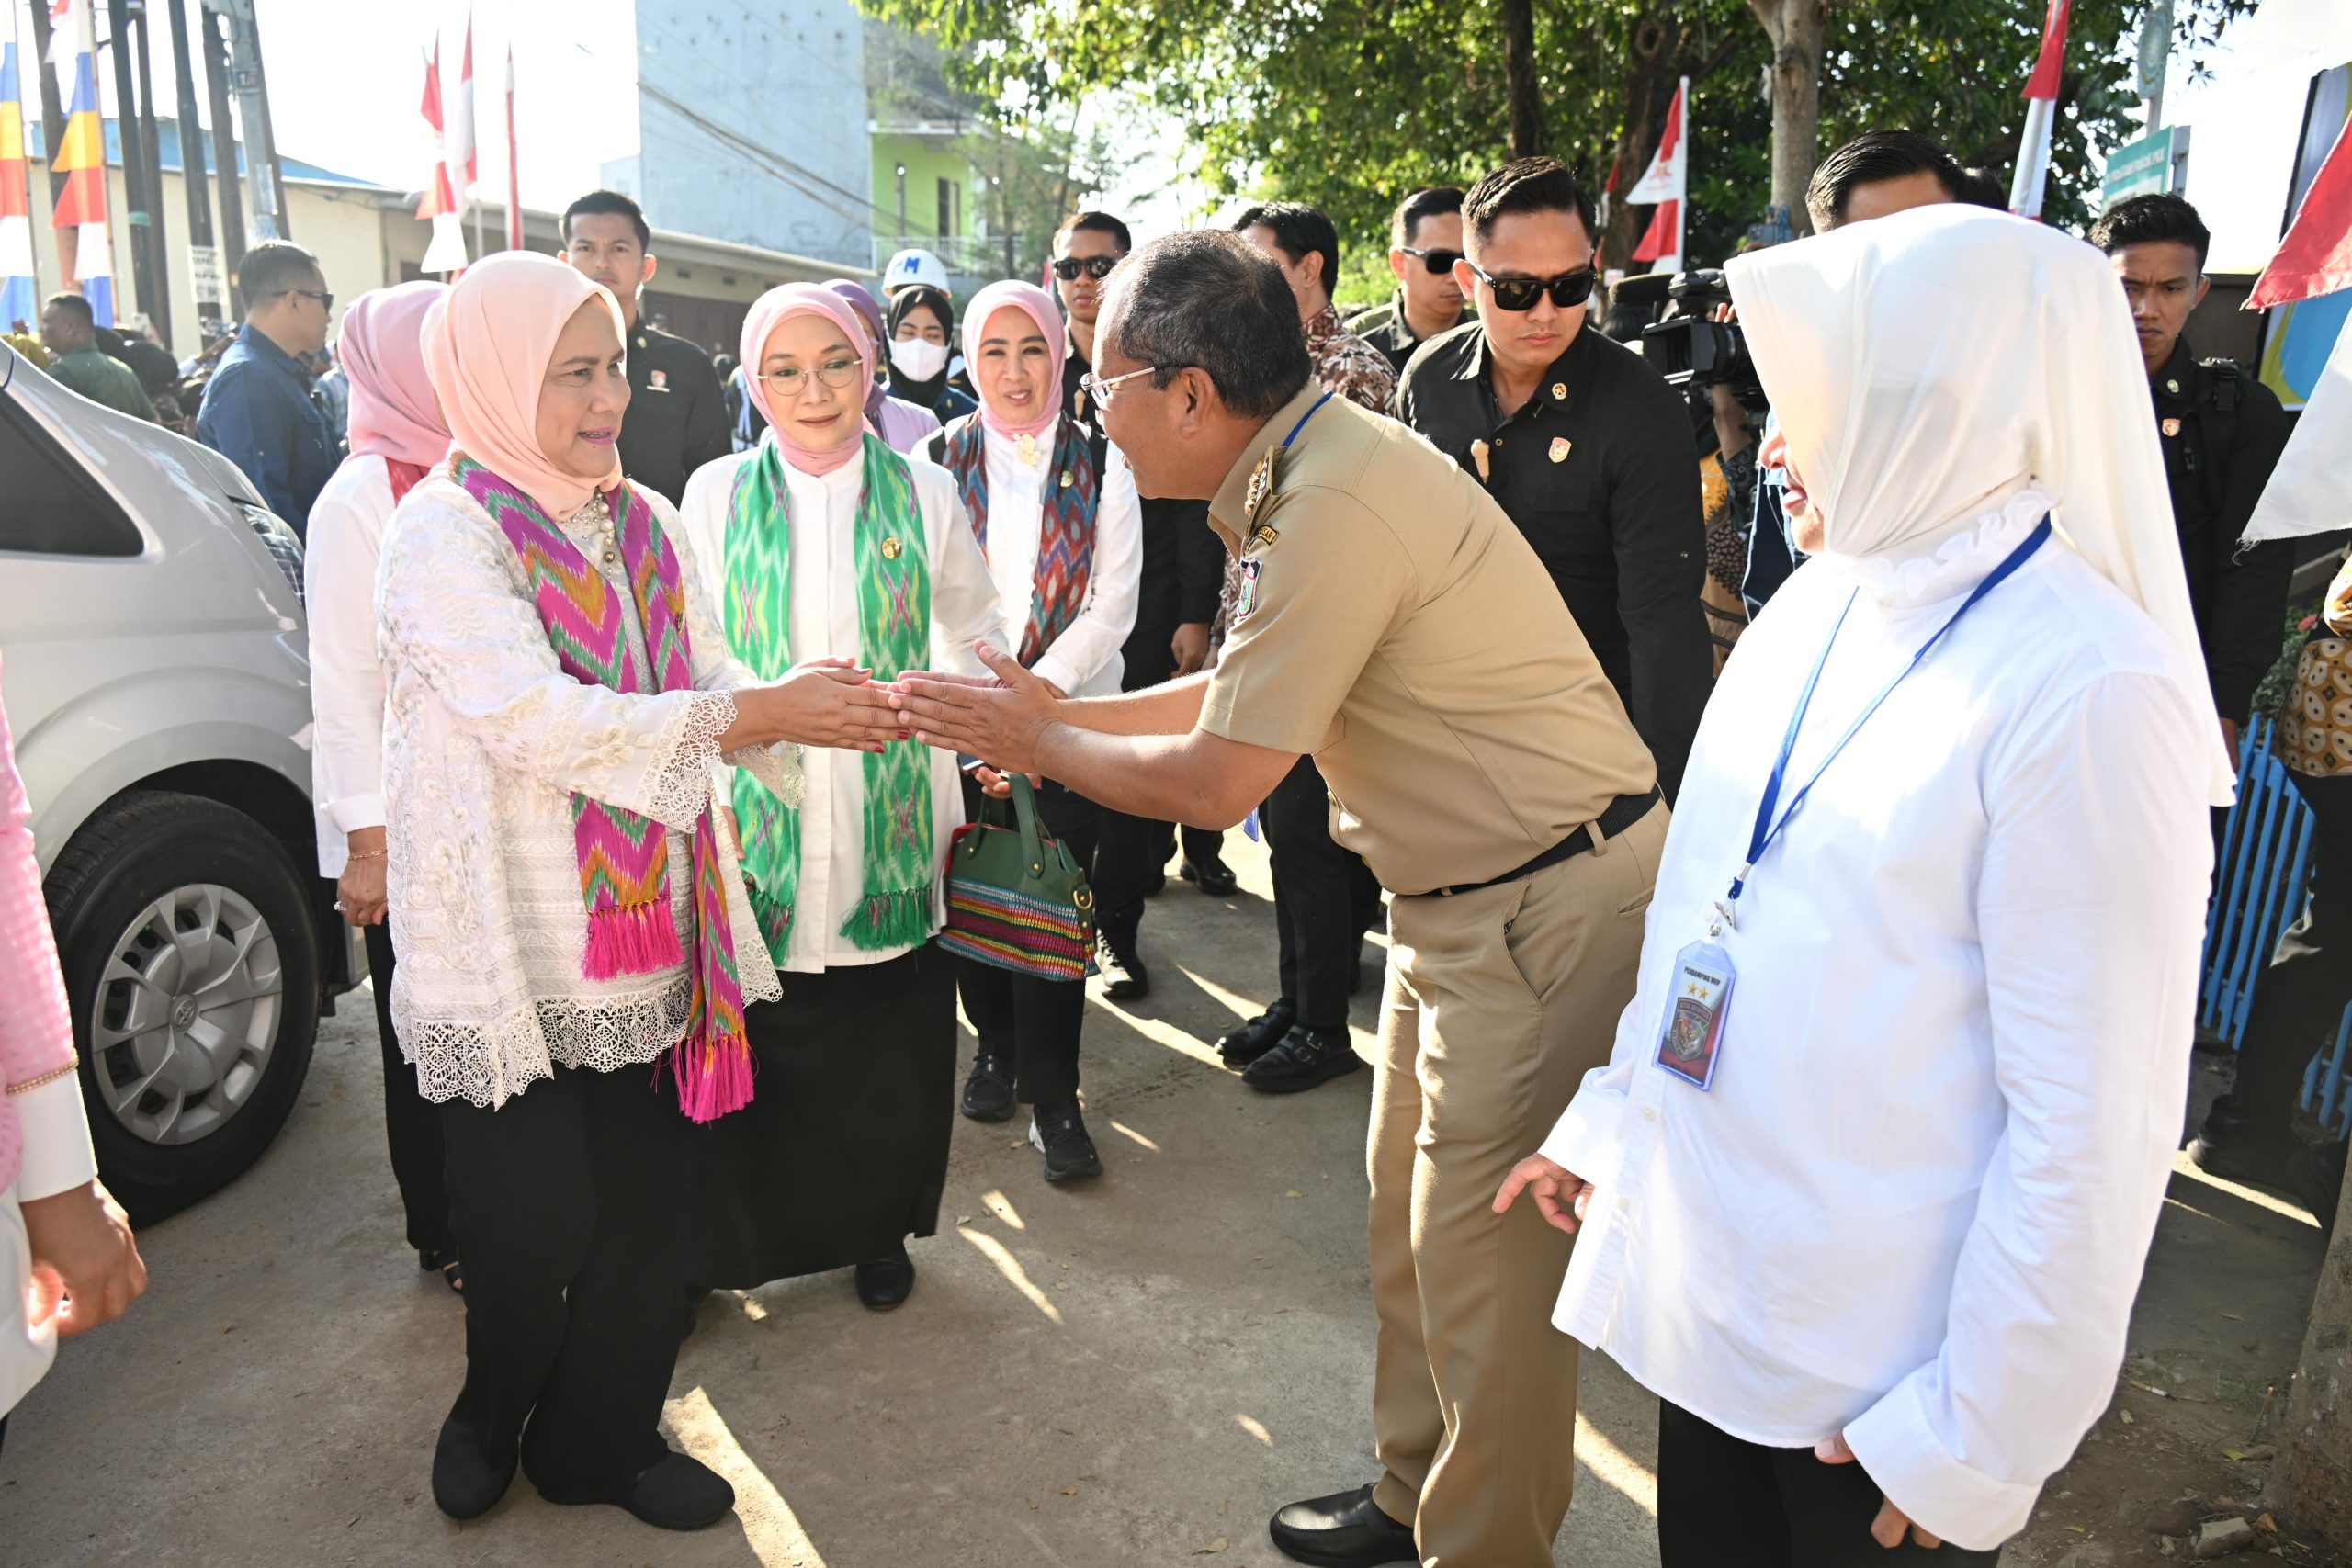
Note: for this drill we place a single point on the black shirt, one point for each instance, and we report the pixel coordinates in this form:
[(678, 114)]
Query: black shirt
[(1386, 328), (2222, 431), (677, 412), (1599, 472)]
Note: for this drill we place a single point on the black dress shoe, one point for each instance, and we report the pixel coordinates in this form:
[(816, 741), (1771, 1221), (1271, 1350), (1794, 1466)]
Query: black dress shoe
[(1306, 1058), (1244, 1044), (988, 1093), (674, 1493), (1123, 977), (1059, 1132), (2314, 1177), (1216, 879), (2251, 1161), (1346, 1530), (466, 1485), (887, 1281)]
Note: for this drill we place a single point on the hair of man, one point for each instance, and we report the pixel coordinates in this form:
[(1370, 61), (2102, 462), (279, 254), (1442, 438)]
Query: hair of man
[(1434, 201), (273, 267), (2150, 219), (1299, 231), (610, 202), (1982, 188), (1877, 155), (72, 305), (1208, 299), (1524, 184), (1101, 223)]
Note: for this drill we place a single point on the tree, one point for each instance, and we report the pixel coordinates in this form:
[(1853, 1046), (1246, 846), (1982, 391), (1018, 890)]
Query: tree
[(1797, 28)]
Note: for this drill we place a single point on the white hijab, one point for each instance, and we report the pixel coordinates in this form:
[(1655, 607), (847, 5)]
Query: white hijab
[(1925, 367)]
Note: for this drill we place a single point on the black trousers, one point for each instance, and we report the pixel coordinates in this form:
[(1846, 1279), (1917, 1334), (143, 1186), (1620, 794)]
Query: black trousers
[(1133, 850), (1723, 1502), (411, 1122), (1325, 899), (569, 1197), (1035, 1025), (2299, 1001)]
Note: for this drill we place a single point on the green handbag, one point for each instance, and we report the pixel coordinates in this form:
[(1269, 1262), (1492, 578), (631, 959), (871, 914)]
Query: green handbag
[(1016, 897)]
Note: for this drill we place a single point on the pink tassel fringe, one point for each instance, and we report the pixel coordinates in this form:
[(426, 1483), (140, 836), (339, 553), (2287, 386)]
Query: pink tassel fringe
[(719, 1082), (634, 939)]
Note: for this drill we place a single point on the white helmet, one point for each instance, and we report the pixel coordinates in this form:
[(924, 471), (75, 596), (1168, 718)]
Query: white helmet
[(914, 267)]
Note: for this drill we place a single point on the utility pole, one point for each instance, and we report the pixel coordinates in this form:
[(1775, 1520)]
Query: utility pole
[(53, 116), (134, 166), (204, 256), (151, 152), (225, 154), (246, 81)]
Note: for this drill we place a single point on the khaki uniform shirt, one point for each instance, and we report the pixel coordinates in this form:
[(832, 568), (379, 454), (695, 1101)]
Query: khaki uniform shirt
[(1396, 625)]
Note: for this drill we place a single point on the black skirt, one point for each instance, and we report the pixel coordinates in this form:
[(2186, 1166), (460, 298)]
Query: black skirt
[(843, 1153)]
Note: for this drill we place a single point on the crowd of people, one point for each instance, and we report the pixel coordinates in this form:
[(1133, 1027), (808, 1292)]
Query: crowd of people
[(1840, 1121)]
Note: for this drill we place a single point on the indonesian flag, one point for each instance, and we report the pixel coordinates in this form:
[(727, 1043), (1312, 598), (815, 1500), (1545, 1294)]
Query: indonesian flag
[(2043, 83), (1668, 182), (2315, 257), (514, 178), (81, 154), (449, 115)]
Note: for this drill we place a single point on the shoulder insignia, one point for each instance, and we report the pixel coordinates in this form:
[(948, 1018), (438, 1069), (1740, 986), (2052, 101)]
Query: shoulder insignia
[(1261, 483), (1262, 535)]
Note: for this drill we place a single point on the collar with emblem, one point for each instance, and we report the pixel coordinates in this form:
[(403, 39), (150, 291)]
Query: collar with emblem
[(1231, 511)]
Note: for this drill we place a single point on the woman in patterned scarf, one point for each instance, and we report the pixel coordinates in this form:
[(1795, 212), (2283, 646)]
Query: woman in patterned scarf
[(821, 542), (568, 915), (1055, 512)]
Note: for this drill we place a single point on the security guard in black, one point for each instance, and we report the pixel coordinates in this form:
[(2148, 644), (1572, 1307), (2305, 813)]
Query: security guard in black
[(677, 412)]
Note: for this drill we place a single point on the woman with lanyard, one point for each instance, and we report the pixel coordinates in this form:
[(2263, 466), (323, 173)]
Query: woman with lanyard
[(823, 543), (902, 426), (1056, 511), (1866, 1188), (572, 923), (396, 436), (922, 332)]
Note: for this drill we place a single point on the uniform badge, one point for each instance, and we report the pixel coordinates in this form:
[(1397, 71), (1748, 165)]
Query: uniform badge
[(892, 549), (1262, 484), (1559, 391), (1246, 600), (657, 381), (1560, 446), (1263, 535), (2171, 428)]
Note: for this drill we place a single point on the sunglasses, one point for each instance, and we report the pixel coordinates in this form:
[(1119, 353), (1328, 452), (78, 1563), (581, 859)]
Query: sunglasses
[(1096, 267), (1517, 294), (325, 300), (1436, 261)]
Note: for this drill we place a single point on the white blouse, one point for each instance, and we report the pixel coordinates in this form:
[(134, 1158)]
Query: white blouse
[(1085, 661), (1915, 1203), (339, 557), (485, 740), (824, 616)]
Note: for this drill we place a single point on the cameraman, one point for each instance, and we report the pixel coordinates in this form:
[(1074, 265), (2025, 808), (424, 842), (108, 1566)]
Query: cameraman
[(1700, 350), (1585, 447)]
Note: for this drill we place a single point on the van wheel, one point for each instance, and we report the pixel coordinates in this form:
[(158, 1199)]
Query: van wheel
[(192, 970)]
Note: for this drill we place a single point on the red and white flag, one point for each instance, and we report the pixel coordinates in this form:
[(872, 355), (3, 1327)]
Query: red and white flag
[(514, 179), (2315, 257), (1667, 183), (451, 116), (2040, 113)]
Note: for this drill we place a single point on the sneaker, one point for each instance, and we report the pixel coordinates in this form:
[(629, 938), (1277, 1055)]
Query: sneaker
[(1244, 1044), (1304, 1058), (988, 1093), (1124, 975), (1058, 1133)]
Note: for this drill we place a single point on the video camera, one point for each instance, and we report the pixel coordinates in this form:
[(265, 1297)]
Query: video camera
[(1693, 350)]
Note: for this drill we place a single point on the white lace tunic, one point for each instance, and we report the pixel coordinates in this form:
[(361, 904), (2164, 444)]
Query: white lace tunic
[(486, 739)]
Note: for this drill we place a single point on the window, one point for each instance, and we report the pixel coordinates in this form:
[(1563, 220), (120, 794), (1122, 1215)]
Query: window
[(946, 208), (48, 506)]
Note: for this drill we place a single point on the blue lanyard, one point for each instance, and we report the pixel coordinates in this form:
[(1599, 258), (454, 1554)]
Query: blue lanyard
[(1302, 421), (1767, 829)]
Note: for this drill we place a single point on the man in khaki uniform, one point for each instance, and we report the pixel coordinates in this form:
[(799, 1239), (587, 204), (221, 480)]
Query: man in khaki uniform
[(1395, 625)]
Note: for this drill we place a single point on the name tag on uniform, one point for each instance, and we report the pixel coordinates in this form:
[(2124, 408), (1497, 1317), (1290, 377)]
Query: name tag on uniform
[(1688, 1040)]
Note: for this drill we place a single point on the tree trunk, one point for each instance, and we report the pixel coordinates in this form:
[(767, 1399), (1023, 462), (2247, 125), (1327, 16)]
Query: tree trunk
[(1650, 79), (2311, 1485), (1797, 28), (1519, 64)]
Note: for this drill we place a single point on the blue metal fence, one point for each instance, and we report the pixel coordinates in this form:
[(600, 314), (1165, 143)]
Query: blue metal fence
[(2257, 893)]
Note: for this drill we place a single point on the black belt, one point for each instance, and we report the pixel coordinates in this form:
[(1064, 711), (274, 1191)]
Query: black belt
[(1622, 813)]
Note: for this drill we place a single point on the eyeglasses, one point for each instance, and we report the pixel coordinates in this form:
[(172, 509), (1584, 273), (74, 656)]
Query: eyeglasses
[(325, 300), (1515, 294), (1436, 261), (835, 373), (1100, 391), (1096, 267)]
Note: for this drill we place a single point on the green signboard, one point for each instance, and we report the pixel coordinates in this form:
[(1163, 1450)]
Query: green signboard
[(2153, 164)]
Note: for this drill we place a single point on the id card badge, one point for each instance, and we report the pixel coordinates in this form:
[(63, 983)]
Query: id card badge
[(1694, 1030)]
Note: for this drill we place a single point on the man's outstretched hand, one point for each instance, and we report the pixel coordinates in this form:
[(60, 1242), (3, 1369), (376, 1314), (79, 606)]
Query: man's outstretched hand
[(1000, 719)]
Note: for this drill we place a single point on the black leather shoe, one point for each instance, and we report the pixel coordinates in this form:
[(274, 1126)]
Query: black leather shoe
[(1059, 1132), (2314, 1177), (1216, 879), (1123, 977), (1245, 1043), (1346, 1530), (887, 1281), (674, 1493), (988, 1093), (2251, 1161), (466, 1485), (1306, 1058)]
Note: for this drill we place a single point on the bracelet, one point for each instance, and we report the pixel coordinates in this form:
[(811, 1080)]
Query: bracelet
[(46, 1079), (365, 854)]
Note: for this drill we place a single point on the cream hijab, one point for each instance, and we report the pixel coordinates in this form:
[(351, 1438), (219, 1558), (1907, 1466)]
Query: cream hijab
[(1926, 367)]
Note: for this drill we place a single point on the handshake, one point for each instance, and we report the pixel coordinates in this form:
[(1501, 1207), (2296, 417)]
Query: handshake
[(833, 702)]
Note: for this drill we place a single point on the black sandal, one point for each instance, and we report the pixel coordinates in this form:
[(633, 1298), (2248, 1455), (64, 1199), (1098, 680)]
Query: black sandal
[(453, 1273)]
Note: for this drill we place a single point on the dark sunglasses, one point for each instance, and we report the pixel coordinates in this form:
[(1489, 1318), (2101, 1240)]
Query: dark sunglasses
[(1516, 294), (1096, 267), (325, 300), (1436, 261)]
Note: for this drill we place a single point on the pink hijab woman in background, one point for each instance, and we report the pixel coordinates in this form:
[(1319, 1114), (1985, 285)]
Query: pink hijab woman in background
[(902, 424)]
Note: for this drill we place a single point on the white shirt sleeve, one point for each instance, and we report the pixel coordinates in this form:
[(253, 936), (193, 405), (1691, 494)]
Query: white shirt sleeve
[(1094, 638), (57, 1155), (2090, 911), (965, 608), (340, 552)]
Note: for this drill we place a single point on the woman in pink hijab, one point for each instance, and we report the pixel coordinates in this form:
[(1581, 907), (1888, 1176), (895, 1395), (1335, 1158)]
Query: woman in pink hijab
[(396, 435), (571, 923), (821, 541), (1055, 508)]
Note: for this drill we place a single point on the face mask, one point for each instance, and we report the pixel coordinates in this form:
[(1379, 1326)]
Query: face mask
[(919, 358)]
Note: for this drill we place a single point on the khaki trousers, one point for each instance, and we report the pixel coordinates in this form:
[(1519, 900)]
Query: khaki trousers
[(1497, 1003)]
